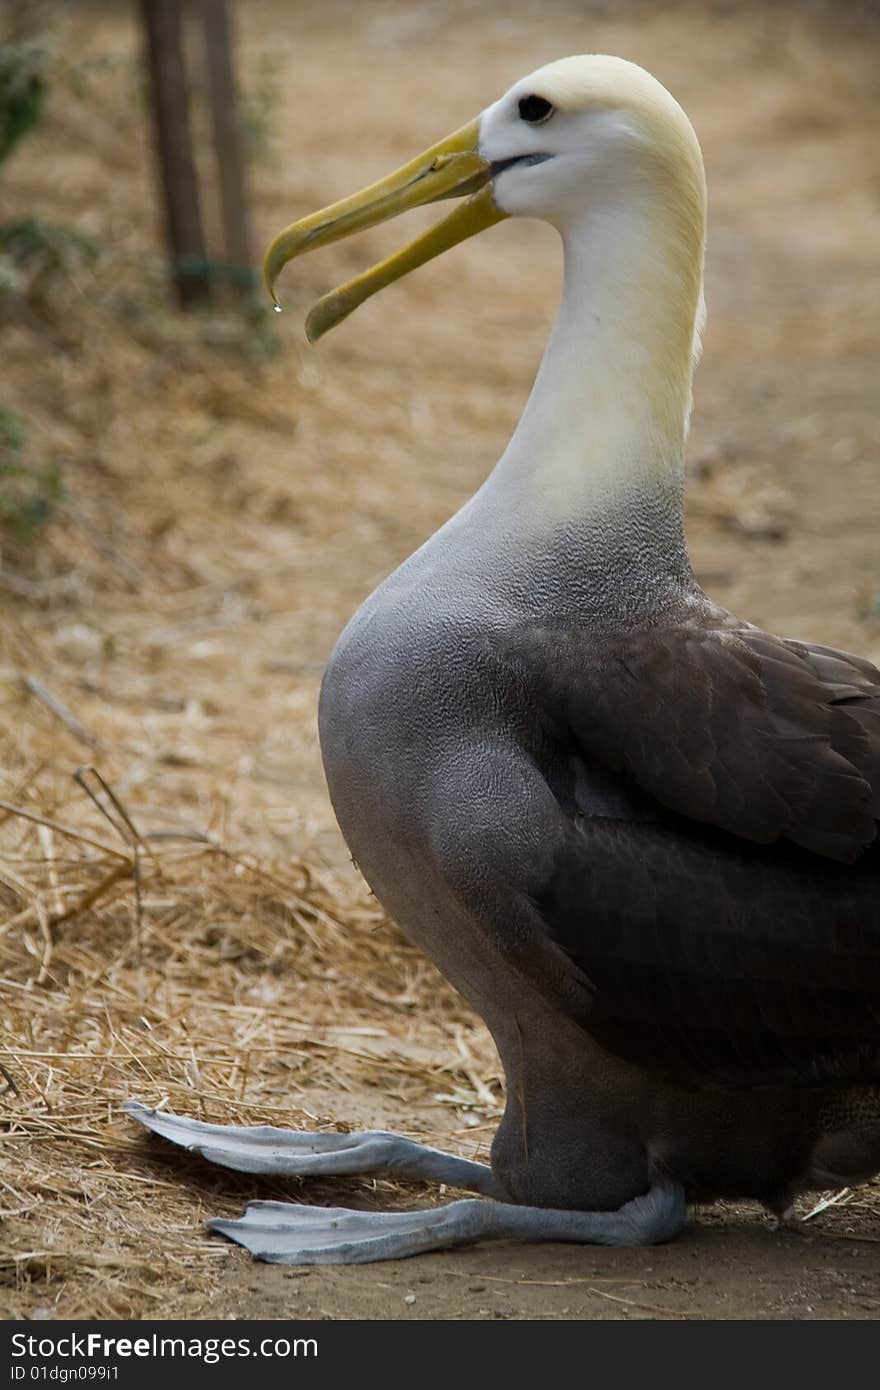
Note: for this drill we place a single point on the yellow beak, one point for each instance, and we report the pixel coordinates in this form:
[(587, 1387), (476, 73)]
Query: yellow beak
[(453, 168)]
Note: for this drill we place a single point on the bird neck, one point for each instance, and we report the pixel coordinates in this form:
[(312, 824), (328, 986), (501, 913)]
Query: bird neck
[(598, 454)]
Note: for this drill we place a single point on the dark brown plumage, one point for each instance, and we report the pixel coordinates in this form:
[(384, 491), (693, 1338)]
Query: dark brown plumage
[(727, 912)]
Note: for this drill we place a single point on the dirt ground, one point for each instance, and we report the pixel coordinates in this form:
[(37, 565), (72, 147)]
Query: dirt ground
[(228, 501)]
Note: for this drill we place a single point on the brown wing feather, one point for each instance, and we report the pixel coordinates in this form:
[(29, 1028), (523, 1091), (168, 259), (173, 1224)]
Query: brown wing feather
[(707, 956), (765, 738), (715, 961)]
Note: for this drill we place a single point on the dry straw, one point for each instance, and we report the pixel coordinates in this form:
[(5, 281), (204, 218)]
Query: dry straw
[(165, 965)]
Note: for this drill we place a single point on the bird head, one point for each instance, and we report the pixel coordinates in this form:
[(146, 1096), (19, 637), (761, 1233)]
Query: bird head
[(579, 134)]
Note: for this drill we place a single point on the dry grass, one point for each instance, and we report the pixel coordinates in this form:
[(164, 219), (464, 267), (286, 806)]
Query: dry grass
[(163, 964), (205, 944), (202, 943)]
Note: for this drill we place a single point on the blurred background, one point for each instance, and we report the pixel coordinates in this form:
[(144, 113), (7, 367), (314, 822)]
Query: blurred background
[(193, 502)]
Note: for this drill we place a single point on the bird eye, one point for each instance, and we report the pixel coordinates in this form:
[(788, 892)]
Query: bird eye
[(535, 109)]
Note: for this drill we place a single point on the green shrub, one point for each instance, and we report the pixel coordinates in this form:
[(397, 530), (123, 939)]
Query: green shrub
[(22, 91), (28, 488), (36, 255)]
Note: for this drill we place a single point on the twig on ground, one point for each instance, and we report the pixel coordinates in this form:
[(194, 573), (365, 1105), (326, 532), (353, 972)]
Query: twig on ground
[(60, 710)]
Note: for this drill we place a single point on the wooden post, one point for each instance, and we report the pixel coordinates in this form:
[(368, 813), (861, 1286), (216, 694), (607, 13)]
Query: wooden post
[(227, 144), (180, 194)]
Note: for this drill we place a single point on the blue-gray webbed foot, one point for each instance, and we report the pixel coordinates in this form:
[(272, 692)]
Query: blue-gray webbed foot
[(288, 1153), (282, 1233)]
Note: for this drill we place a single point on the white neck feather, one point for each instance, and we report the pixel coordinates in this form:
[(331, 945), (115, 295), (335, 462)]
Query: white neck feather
[(607, 417)]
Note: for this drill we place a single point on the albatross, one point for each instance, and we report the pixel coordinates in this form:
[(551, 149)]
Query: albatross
[(636, 832)]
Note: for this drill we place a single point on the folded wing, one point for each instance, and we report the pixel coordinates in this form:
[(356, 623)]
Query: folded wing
[(732, 935)]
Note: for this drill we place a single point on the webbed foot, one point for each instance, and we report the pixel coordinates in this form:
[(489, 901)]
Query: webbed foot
[(290, 1153), (282, 1233)]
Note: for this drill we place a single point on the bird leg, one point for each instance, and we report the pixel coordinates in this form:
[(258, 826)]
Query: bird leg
[(287, 1233), (289, 1153), (282, 1233)]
